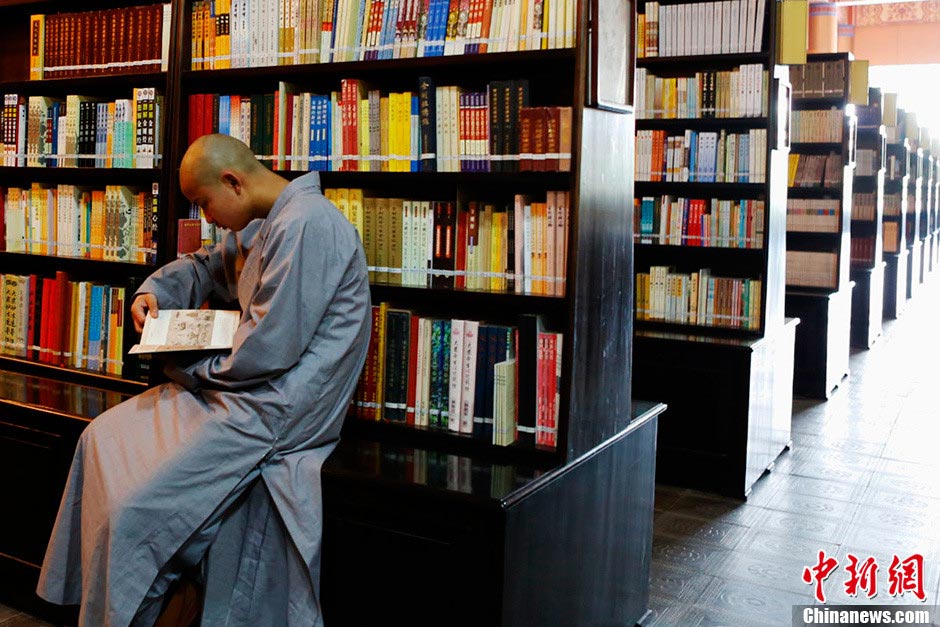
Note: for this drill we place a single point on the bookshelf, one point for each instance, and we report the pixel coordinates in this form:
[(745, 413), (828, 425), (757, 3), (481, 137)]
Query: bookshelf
[(913, 208), (709, 222), (81, 194), (868, 188), (897, 164), (923, 197), (935, 205), (822, 161), (930, 243), (603, 441)]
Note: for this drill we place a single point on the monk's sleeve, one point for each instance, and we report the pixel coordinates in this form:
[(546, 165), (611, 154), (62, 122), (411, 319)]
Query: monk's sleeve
[(302, 269), (188, 282)]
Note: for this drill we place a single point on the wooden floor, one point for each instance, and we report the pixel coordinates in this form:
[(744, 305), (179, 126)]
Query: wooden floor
[(863, 478)]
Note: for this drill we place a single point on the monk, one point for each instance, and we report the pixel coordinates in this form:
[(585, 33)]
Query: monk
[(218, 470)]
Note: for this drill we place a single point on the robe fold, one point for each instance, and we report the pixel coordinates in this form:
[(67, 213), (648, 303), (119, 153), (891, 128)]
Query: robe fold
[(159, 478)]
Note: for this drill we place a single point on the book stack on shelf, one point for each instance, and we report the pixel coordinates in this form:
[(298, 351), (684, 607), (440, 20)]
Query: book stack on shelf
[(709, 239), (483, 158), (894, 220), (867, 271), (821, 167)]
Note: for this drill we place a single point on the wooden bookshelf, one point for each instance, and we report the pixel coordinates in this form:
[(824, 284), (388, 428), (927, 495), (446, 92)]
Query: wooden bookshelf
[(819, 291), (894, 240), (726, 379), (913, 207), (605, 440), (868, 265)]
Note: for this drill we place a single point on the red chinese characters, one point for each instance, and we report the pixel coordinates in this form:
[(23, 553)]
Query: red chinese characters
[(904, 576), (818, 573)]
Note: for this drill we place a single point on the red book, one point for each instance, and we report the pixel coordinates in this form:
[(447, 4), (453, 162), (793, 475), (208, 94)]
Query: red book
[(48, 294), (462, 241), (412, 371), (31, 317), (63, 317)]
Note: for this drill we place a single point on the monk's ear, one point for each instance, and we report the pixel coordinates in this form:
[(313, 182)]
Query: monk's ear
[(232, 180)]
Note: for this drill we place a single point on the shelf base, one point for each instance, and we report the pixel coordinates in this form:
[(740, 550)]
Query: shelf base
[(867, 305), (729, 406), (821, 358), (895, 284)]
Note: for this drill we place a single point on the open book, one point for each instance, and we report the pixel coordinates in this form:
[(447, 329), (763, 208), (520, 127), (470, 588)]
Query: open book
[(187, 330)]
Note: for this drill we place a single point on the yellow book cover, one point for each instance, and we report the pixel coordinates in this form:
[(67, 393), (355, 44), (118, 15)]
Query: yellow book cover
[(382, 239), (37, 46), (858, 82), (363, 131), (792, 35), (395, 219), (484, 260), (889, 109), (793, 163), (119, 336), (496, 244), (356, 210), (380, 371), (342, 202), (369, 210), (97, 224), (384, 131)]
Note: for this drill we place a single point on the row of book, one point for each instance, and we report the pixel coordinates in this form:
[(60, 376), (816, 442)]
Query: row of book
[(867, 162), (81, 131), (813, 215), (820, 79), (812, 268), (668, 220), (517, 246), (76, 324), (254, 33), (462, 376), (725, 94), (814, 170), (701, 157), (723, 27), (76, 400), (110, 41), (863, 250), (891, 236), (436, 128), (892, 204), (698, 298), (864, 205), (116, 223), (817, 126)]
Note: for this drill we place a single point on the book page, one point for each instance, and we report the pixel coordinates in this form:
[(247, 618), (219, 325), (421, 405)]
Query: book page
[(188, 329)]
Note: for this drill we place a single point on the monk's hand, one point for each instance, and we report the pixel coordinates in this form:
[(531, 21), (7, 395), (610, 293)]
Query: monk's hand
[(143, 304)]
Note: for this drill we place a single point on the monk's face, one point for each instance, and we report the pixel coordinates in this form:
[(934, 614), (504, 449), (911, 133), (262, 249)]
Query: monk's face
[(223, 200)]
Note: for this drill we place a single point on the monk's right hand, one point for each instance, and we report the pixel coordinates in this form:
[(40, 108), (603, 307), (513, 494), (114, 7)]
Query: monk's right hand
[(143, 304)]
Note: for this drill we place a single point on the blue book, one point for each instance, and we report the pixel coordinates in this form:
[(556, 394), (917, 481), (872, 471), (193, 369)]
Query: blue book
[(415, 134), (94, 327), (693, 158), (225, 115), (479, 394)]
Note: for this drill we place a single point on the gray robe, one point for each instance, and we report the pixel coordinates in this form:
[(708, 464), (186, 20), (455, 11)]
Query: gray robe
[(155, 476)]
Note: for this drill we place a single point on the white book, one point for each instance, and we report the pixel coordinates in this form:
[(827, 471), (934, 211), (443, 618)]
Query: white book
[(471, 333), (455, 380), (747, 25), (420, 367), (759, 10), (409, 209), (188, 329)]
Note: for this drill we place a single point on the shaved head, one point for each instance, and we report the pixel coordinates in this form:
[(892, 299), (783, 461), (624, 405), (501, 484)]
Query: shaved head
[(210, 155)]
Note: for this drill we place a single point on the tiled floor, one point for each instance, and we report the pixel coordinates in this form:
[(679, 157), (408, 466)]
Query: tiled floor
[(862, 478)]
